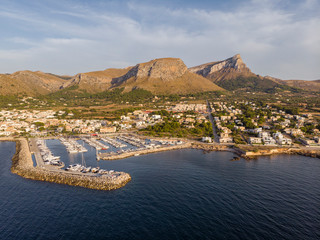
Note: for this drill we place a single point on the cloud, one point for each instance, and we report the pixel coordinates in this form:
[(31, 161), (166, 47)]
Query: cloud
[(273, 37)]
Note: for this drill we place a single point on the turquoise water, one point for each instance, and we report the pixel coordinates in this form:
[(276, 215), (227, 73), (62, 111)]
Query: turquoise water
[(183, 194)]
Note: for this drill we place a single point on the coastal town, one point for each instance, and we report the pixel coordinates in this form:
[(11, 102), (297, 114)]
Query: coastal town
[(248, 129), (238, 123)]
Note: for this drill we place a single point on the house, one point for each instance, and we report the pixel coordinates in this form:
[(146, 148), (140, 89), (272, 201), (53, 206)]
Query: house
[(125, 118), (224, 135), (255, 140), (206, 139), (111, 129), (225, 140), (155, 117)]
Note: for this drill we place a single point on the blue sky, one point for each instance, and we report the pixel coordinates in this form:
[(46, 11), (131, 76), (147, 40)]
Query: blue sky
[(280, 38)]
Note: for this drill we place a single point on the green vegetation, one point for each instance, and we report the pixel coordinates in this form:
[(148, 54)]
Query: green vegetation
[(6, 100), (255, 84), (38, 124), (287, 109), (74, 96), (175, 129), (308, 128)]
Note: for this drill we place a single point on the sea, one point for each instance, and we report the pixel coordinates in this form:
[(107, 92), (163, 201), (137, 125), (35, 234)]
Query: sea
[(180, 194)]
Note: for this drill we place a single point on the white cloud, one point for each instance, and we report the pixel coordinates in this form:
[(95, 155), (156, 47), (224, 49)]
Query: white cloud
[(281, 42)]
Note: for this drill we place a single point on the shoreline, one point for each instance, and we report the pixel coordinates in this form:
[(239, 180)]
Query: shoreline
[(22, 165), (256, 152)]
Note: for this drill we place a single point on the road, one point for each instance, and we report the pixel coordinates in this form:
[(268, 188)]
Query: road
[(214, 130), (35, 150)]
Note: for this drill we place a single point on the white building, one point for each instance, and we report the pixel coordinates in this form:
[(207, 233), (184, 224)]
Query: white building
[(207, 139)]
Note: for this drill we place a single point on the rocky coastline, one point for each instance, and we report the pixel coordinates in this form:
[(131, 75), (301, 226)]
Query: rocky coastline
[(249, 152), (255, 152), (22, 165)]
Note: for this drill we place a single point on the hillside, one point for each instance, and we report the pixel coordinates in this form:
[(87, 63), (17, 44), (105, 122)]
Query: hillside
[(313, 86), (164, 76), (29, 83), (159, 76), (97, 81)]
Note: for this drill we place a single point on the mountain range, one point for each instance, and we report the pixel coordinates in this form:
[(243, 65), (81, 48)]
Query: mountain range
[(159, 76)]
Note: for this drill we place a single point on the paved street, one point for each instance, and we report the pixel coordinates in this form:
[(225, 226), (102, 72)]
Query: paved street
[(216, 137)]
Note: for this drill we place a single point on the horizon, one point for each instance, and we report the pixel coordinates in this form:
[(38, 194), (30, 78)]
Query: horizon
[(274, 38)]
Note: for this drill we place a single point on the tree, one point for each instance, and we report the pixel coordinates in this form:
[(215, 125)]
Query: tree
[(38, 124)]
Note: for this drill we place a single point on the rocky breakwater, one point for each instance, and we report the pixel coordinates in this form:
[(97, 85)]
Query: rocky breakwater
[(22, 165), (211, 147)]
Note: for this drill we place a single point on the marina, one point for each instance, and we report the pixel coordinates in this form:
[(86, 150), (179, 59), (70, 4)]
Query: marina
[(95, 143), (80, 153), (132, 140), (113, 142), (52, 155), (47, 157), (72, 145)]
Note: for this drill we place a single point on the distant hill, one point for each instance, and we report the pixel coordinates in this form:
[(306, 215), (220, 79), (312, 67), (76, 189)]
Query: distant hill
[(313, 86), (164, 76), (29, 83), (159, 76), (233, 74)]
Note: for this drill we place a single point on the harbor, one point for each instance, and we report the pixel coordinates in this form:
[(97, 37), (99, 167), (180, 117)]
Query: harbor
[(113, 142), (72, 145), (92, 149), (77, 175), (35, 159), (95, 143)]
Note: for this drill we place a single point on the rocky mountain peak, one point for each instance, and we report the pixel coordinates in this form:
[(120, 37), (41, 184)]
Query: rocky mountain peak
[(237, 63), (233, 64), (164, 68)]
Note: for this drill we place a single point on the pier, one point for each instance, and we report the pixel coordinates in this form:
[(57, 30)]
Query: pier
[(72, 145), (95, 143), (113, 142), (131, 140)]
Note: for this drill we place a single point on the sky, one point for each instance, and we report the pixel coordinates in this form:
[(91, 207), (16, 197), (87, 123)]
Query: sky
[(279, 38)]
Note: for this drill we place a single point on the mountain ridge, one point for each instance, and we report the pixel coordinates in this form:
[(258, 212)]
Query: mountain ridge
[(159, 76)]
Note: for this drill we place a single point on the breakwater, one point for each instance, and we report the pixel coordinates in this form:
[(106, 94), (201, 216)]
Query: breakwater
[(211, 147), (22, 165), (108, 156)]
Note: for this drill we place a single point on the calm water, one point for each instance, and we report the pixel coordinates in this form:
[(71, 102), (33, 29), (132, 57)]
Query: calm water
[(182, 194)]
